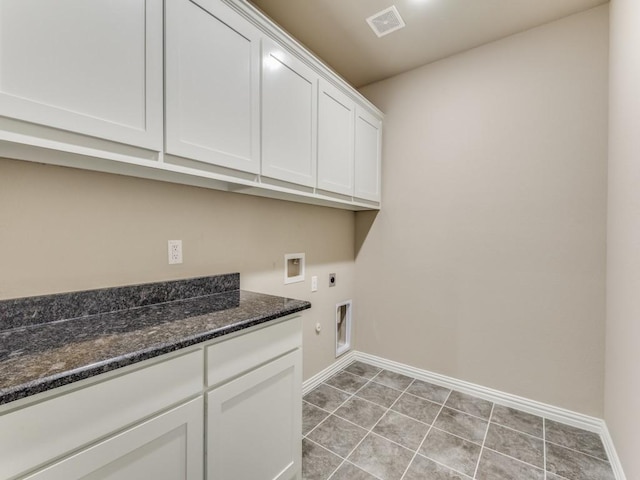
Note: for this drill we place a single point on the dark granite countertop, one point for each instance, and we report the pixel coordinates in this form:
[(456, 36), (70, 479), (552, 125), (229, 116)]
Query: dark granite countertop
[(42, 348)]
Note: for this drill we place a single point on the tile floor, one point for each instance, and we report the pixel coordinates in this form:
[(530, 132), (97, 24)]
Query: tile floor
[(365, 423)]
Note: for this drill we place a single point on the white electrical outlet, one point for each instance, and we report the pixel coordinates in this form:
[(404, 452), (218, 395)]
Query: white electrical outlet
[(314, 283), (175, 251)]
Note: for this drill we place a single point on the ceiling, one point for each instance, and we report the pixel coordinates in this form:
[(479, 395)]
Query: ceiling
[(337, 31)]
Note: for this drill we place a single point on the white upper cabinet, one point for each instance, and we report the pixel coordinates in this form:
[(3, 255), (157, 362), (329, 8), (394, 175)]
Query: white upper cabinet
[(212, 85), (89, 67), (289, 116), (368, 137), (336, 120), (203, 92)]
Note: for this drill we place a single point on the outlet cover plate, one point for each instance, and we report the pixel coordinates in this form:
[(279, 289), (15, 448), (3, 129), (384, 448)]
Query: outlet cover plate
[(175, 252)]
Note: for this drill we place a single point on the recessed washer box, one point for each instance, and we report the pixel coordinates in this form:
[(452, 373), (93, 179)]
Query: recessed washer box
[(293, 268)]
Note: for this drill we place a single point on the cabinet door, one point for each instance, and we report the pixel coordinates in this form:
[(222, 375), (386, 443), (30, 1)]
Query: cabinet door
[(212, 85), (336, 119), (93, 68), (289, 105), (254, 424), (167, 447), (367, 155)]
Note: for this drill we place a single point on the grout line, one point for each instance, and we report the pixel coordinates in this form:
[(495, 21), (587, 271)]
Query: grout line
[(336, 469), (457, 436), (370, 431), (444, 465), (561, 477), (351, 463), (327, 385), (513, 458), (424, 398), (386, 410), (374, 403), (486, 432), (409, 416), (319, 423), (390, 441), (484, 419), (373, 475), (341, 463), (578, 451), (351, 395), (319, 408), (352, 422), (394, 388), (518, 431), (325, 448), (362, 376), (331, 413), (490, 420), (406, 390), (425, 435), (343, 371)]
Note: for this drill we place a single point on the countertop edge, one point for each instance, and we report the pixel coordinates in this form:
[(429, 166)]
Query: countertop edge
[(48, 383)]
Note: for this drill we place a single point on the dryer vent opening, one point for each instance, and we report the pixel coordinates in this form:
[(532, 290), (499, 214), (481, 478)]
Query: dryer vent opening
[(343, 327)]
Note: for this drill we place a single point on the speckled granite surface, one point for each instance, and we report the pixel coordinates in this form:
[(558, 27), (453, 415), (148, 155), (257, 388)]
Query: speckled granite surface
[(50, 341)]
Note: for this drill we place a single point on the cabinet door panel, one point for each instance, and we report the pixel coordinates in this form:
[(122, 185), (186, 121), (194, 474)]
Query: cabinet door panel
[(93, 68), (367, 156), (167, 447), (50, 429), (212, 85), (254, 424), (336, 114), (289, 94)]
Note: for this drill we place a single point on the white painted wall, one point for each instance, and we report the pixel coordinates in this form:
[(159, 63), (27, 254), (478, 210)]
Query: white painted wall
[(487, 262), (622, 385)]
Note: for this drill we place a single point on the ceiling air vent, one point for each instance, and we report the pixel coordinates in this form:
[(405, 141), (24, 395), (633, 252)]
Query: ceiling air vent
[(386, 21)]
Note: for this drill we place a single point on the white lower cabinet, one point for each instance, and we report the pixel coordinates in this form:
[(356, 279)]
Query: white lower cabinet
[(166, 447), (254, 424), (72, 419), (149, 421)]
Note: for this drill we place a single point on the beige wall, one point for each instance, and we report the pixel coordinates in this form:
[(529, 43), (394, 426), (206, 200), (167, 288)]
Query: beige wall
[(64, 229), (622, 386), (487, 262)]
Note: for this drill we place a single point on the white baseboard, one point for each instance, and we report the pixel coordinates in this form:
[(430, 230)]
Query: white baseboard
[(611, 453), (332, 369), (534, 407), (530, 406)]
